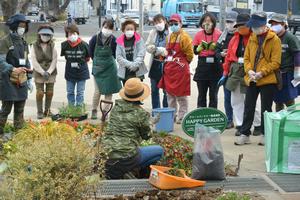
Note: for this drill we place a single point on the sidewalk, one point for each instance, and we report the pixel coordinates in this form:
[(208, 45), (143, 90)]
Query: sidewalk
[(252, 163)]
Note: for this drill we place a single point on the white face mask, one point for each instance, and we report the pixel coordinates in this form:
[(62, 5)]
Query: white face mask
[(259, 30), (73, 37), (106, 32), (277, 28), (129, 34), (45, 38), (161, 26), (21, 31)]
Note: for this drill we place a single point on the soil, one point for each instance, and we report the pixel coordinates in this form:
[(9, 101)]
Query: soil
[(211, 194), (174, 172)]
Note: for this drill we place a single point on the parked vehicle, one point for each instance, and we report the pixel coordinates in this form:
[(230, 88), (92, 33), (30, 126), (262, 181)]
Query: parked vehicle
[(294, 23), (79, 10), (189, 10)]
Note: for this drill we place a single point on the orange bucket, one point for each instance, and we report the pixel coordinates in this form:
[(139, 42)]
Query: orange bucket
[(164, 181)]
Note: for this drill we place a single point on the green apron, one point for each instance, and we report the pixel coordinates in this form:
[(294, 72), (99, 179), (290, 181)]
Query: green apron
[(236, 77), (105, 70)]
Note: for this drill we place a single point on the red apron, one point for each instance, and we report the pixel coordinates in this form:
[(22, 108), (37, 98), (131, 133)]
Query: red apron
[(176, 78)]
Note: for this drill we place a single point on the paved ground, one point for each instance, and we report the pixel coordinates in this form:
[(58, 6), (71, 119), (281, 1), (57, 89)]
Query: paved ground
[(253, 162)]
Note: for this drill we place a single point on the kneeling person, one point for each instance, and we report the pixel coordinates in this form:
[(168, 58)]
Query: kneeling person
[(127, 126)]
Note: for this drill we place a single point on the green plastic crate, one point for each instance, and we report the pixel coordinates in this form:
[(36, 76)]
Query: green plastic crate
[(282, 141)]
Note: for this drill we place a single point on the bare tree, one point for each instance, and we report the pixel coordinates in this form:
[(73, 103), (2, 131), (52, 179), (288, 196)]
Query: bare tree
[(24, 6), (9, 8), (56, 8)]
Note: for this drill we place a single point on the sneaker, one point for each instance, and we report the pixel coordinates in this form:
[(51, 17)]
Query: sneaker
[(230, 125), (262, 141), (40, 116), (242, 140), (256, 131), (94, 114)]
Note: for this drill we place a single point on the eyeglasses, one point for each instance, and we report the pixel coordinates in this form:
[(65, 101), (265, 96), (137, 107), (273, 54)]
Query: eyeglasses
[(174, 23)]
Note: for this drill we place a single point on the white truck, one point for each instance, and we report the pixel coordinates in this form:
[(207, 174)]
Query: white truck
[(79, 10)]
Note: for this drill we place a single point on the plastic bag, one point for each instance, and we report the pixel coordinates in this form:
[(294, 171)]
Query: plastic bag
[(208, 160)]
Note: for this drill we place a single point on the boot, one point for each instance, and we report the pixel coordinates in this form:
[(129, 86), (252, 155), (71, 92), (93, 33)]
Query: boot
[(19, 115), (39, 104), (48, 101)]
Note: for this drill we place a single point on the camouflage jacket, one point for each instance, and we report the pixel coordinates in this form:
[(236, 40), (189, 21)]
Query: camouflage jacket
[(128, 125)]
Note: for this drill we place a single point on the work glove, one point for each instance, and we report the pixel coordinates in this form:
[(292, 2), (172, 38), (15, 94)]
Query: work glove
[(30, 85), (222, 80), (151, 48), (133, 68), (199, 48), (252, 74), (258, 75), (160, 51), (46, 76)]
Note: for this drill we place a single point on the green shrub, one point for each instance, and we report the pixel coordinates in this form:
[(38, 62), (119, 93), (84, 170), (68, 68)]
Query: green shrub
[(50, 161), (72, 111)]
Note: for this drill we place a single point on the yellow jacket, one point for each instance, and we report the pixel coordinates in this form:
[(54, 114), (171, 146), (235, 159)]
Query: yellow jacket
[(269, 61), (185, 42)]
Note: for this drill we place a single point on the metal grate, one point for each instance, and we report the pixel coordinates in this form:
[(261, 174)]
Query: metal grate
[(287, 182), (129, 187)]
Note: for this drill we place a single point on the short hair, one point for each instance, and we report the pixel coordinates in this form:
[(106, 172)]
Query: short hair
[(109, 23), (212, 18), (158, 17), (127, 22)]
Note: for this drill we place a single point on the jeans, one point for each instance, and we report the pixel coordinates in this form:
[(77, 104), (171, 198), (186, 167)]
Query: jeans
[(203, 86), (150, 155), (227, 105), (266, 94), (155, 95), (80, 87)]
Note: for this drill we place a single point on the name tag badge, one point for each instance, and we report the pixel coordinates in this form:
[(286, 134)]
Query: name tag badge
[(22, 62), (210, 60), (169, 58), (74, 65), (241, 60)]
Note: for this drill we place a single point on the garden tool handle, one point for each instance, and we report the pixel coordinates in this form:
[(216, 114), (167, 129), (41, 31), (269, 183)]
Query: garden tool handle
[(105, 112)]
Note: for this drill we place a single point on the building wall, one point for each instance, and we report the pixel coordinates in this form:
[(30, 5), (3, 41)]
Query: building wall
[(280, 6)]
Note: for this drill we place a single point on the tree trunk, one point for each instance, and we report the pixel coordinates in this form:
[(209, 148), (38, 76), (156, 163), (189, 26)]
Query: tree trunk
[(56, 9), (64, 6), (9, 8), (25, 6)]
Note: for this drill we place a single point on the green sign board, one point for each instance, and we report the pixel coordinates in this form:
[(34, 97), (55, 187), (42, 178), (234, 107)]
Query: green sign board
[(209, 117)]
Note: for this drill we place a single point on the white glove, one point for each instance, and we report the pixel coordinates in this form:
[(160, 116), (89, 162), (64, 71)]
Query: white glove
[(30, 85), (251, 74), (133, 68), (151, 48), (258, 75), (160, 51)]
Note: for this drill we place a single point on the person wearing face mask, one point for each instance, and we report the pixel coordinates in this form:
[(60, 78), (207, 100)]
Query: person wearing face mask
[(221, 51), (103, 52), (44, 62), (15, 72), (233, 72), (208, 70), (262, 59), (156, 46), (176, 75), (130, 53), (76, 53), (290, 63)]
